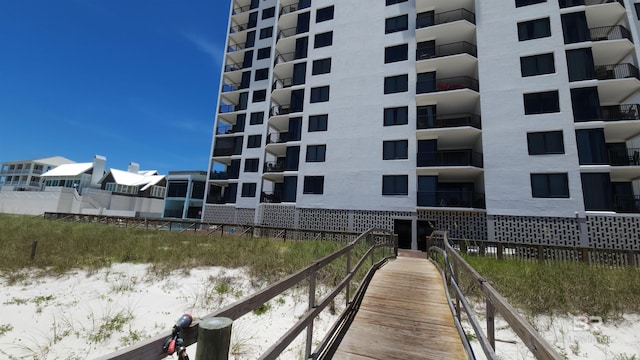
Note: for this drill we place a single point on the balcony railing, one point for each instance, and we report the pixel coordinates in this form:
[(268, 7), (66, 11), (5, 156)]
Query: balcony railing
[(230, 87), (232, 67), (270, 197), (273, 167), (617, 71), (282, 58), (280, 110), (456, 48), (236, 47), (447, 84), (448, 121), (294, 7), (219, 175), (285, 33), (276, 138), (225, 129), (450, 158), (627, 204), (282, 83), (226, 108), (569, 3), (241, 9), (619, 112), (238, 27), (445, 17), (624, 157), (465, 199), (615, 32)]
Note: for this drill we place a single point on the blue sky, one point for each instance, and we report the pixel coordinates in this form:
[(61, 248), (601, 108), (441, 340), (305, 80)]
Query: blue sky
[(132, 80)]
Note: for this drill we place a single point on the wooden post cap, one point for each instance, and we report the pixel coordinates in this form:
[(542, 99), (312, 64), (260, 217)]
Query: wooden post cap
[(214, 338)]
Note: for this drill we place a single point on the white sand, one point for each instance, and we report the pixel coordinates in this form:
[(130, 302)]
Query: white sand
[(80, 316)]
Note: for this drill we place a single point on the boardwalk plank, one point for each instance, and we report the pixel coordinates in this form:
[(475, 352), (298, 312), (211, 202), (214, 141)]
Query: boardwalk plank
[(404, 315)]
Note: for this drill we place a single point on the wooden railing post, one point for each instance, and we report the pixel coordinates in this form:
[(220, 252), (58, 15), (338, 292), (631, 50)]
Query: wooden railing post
[(349, 282), (456, 276), (312, 305), (214, 338), (631, 258), (540, 250), (584, 255), (499, 249), (491, 326)]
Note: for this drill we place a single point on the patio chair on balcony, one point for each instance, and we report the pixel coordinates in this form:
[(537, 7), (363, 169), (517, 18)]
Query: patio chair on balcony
[(635, 159)]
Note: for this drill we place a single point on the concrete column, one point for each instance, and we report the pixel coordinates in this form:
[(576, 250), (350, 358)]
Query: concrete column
[(187, 199), (414, 233)]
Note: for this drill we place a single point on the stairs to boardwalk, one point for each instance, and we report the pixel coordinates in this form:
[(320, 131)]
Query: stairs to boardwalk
[(404, 315)]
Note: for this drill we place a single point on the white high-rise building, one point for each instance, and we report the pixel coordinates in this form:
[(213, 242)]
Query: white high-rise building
[(513, 121)]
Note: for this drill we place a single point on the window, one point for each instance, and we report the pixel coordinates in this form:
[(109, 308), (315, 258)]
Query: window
[(324, 14), (297, 100), (319, 94), (259, 95), (537, 65), (396, 84), (262, 74), (316, 153), (550, 185), (254, 141), (303, 23), (391, 2), (547, 142), (395, 185), (534, 29), (318, 122), (585, 103), (575, 28), (637, 6), (322, 40), (322, 66), (248, 190), (302, 45), (313, 185), (580, 66), (395, 24), (251, 165), (396, 116), (266, 33), (256, 118), (264, 53), (394, 150), (520, 3), (568, 3), (396, 53), (268, 13), (541, 103)]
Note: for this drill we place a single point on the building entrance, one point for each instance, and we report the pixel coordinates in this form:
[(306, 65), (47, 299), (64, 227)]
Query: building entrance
[(402, 228)]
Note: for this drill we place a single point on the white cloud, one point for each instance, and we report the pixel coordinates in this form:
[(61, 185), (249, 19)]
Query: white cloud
[(215, 51)]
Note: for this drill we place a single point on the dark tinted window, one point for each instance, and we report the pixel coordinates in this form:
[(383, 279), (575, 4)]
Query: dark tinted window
[(520, 3), (534, 29), (248, 190), (395, 185), (396, 84), (391, 2), (316, 153), (251, 165), (537, 65), (266, 33), (396, 116), (262, 74), (313, 185), (268, 13), (319, 94), (254, 141), (259, 95), (398, 23), (322, 66), (541, 103), (547, 142), (318, 122), (264, 53), (396, 53), (324, 39), (550, 185), (324, 14), (393, 150), (256, 118)]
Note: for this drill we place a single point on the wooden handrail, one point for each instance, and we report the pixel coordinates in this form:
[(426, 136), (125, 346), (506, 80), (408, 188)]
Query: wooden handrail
[(538, 346), (152, 348)]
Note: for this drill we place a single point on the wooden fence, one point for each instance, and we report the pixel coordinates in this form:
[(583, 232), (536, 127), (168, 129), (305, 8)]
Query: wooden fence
[(377, 247), (495, 303)]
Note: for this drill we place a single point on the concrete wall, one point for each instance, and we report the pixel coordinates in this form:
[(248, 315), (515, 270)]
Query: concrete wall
[(37, 202)]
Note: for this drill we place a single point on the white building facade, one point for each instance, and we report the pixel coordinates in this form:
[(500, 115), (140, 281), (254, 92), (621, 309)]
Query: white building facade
[(513, 121)]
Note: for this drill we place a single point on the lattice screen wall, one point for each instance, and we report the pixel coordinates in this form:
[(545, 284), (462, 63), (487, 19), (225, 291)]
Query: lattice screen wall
[(364, 220), (220, 214), (245, 216), (324, 219), (614, 232), (278, 215), (460, 224), (537, 230)]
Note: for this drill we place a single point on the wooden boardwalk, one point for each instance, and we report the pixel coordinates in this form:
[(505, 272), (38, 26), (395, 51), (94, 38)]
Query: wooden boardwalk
[(404, 315)]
